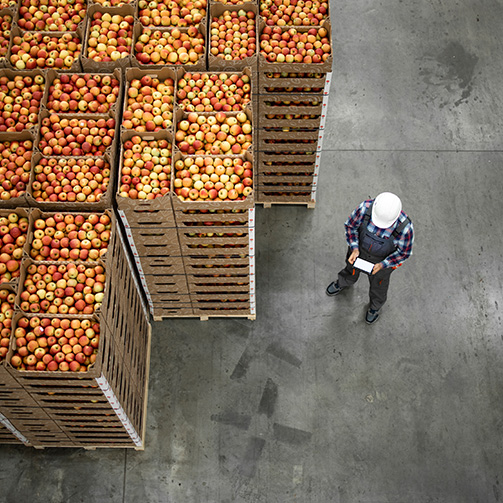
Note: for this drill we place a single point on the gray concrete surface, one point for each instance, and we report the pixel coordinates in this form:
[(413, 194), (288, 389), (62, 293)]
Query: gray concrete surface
[(308, 404)]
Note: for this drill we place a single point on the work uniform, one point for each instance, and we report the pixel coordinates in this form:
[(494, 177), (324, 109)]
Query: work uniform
[(387, 246)]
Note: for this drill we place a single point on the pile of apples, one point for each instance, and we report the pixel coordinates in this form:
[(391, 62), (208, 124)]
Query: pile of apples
[(39, 50), (75, 137), (293, 12), (110, 37), (112, 3), (5, 24), (20, 101), (146, 168), (233, 35), (70, 237), (165, 13), (15, 167), (83, 180), (13, 233), (51, 15), (62, 289), (55, 344), (7, 299), (212, 178), (214, 134), (173, 47), (83, 93), (292, 46), (149, 104), (213, 92)]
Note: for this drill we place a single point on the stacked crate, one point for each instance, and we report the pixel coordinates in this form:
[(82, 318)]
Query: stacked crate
[(292, 103), (103, 406)]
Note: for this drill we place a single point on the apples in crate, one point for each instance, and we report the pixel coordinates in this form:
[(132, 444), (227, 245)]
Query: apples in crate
[(293, 12), (212, 178), (63, 237), (83, 180), (13, 232), (110, 37), (233, 35), (214, 134), (51, 15), (171, 13), (146, 168), (5, 24), (7, 299), (62, 289), (149, 104), (75, 137), (83, 93), (15, 166), (40, 50), (55, 344), (213, 92), (293, 46), (171, 47), (20, 99)]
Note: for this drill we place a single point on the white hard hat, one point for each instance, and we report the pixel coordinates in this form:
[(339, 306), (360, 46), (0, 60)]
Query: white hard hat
[(386, 210)]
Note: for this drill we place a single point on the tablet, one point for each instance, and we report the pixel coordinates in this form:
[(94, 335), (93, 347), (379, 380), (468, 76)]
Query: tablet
[(363, 265)]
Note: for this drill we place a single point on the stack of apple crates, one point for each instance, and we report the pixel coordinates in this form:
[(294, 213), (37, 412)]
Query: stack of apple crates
[(292, 104), (106, 405)]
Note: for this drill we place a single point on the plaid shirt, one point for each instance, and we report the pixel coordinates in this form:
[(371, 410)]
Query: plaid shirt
[(403, 242)]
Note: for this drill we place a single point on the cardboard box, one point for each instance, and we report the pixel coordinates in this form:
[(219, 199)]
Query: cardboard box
[(160, 311), (199, 65), (153, 243), (89, 65), (79, 33), (161, 74), (283, 157), (291, 140), (104, 202), (289, 197), (194, 220), (323, 67), (217, 63), (286, 169), (282, 181)]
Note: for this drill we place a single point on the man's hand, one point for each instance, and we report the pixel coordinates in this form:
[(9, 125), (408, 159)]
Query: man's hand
[(378, 267), (353, 256)]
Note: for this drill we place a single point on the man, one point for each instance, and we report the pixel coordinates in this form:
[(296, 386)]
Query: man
[(379, 232)]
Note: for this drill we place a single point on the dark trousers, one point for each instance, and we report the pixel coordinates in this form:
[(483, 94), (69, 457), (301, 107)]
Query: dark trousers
[(379, 282)]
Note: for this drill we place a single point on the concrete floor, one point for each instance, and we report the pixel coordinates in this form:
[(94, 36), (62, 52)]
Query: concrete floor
[(308, 404)]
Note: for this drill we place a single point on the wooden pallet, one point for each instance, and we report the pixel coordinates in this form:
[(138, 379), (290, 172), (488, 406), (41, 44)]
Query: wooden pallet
[(251, 317), (269, 204)]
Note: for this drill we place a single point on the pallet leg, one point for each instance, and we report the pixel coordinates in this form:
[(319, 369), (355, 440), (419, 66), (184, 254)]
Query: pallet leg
[(203, 318), (267, 205)]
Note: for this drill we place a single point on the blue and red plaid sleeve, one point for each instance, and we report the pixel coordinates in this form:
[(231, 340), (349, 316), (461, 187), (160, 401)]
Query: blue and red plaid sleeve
[(403, 244), (353, 224)]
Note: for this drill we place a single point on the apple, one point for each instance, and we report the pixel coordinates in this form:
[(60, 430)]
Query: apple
[(174, 47), (167, 13), (83, 93), (83, 179), (110, 37), (213, 92), (20, 99), (233, 35), (146, 168), (149, 104)]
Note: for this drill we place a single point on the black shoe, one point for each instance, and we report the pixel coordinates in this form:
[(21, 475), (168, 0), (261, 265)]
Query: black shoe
[(372, 316), (334, 289)]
